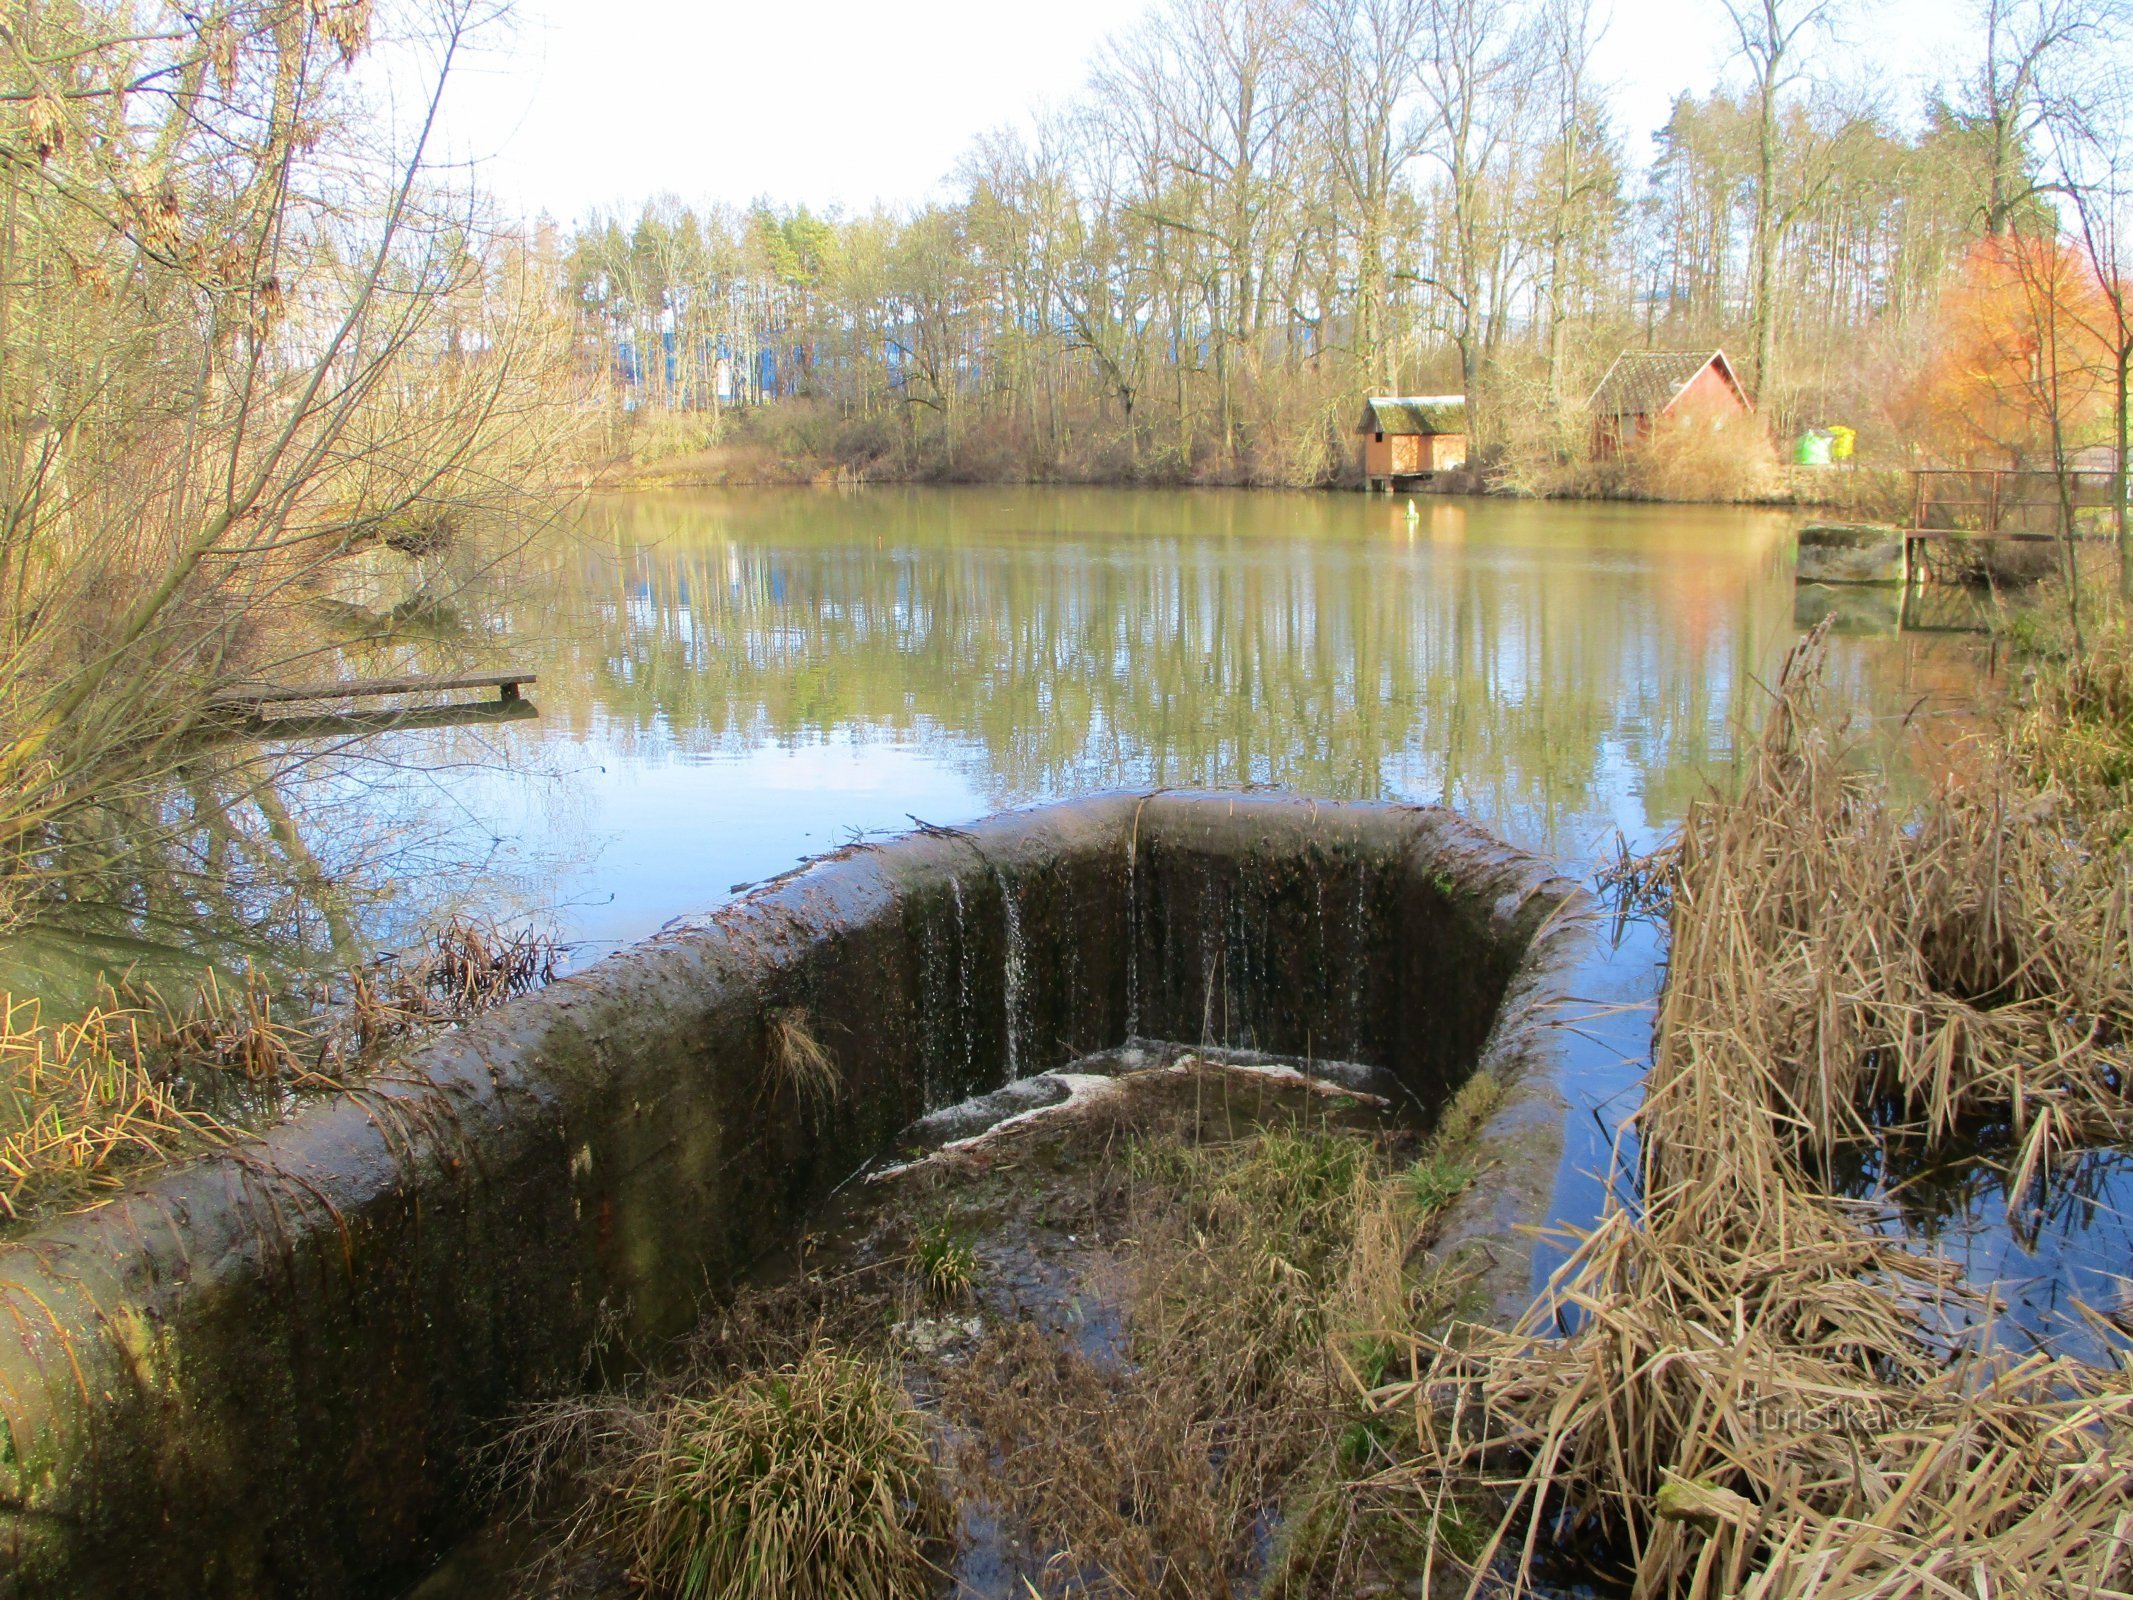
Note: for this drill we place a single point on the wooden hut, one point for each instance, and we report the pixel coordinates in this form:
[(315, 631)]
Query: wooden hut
[(1413, 437), (1645, 387)]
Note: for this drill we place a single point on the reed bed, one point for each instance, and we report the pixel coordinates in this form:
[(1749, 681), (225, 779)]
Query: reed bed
[(1760, 1395)]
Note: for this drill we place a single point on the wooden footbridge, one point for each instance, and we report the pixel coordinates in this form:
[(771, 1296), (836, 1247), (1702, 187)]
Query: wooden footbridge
[(1985, 527)]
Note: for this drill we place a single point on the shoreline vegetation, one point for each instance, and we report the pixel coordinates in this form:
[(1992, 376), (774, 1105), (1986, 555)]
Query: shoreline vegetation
[(1856, 492), (89, 1105), (1739, 1383)]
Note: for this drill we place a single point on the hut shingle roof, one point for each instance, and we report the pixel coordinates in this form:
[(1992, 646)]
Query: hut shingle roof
[(1426, 413), (1645, 382)]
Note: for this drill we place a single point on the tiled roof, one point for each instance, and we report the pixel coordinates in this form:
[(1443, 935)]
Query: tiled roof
[(1645, 382), (1422, 413)]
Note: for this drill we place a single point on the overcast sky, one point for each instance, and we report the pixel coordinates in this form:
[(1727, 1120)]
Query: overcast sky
[(605, 103)]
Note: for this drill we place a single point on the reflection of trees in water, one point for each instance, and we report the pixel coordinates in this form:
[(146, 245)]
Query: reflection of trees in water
[(295, 855), (1539, 665), (1572, 651)]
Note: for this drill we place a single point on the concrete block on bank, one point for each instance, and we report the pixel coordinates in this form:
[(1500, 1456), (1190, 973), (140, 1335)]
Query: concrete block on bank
[(1850, 553)]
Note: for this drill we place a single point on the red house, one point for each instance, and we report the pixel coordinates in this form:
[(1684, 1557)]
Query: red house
[(1644, 387)]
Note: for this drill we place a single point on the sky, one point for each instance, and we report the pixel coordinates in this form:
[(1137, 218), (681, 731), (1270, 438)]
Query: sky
[(584, 104)]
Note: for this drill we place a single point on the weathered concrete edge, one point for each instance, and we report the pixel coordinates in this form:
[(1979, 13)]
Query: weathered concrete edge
[(1490, 1230), (93, 1299)]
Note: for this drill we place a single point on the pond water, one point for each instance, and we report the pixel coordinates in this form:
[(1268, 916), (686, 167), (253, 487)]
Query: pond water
[(732, 681)]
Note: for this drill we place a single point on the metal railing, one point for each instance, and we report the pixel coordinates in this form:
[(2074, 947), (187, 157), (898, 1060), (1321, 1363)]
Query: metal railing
[(2002, 501)]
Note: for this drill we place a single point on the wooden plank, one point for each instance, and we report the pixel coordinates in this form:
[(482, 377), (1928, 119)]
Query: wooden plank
[(356, 724), (274, 694), (1957, 536)]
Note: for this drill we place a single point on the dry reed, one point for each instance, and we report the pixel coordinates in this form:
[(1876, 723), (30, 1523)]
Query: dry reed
[(1761, 1396), (87, 1105)]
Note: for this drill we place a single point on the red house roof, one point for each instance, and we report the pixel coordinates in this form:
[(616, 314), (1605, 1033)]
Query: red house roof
[(1643, 383)]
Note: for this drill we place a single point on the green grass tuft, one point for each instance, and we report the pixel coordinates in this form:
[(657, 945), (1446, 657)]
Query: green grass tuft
[(813, 1482)]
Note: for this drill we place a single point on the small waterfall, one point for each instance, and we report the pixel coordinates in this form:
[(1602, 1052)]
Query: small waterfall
[(963, 1026), (1357, 942), (1133, 933), (1011, 978)]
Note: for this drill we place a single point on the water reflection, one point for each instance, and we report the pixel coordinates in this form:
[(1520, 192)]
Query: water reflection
[(729, 682), (1557, 672)]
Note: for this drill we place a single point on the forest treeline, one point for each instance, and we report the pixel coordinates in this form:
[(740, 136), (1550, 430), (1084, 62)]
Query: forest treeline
[(1259, 210)]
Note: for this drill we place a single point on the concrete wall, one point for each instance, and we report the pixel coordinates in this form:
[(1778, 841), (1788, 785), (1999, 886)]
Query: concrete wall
[(1850, 553), (261, 1374)]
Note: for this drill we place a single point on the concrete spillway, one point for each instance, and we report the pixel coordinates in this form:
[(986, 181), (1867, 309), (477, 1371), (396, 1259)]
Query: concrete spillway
[(263, 1373)]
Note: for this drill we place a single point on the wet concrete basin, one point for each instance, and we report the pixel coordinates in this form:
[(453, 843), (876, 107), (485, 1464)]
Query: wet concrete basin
[(263, 1373)]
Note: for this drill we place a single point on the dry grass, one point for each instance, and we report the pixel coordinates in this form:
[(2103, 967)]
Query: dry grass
[(1254, 1265), (1703, 457), (812, 1481), (1758, 1397), (88, 1105), (800, 1064), (80, 1109), (1261, 1273), (2076, 736)]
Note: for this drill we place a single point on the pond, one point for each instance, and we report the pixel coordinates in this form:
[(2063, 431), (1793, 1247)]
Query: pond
[(731, 681)]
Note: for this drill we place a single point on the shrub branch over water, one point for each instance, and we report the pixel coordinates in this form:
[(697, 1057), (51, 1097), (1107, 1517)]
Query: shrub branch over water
[(243, 334)]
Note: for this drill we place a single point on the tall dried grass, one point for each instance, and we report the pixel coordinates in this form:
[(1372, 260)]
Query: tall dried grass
[(80, 1108), (1760, 1396)]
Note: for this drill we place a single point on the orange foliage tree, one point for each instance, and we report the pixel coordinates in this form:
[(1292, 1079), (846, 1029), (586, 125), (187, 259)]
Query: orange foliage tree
[(2020, 374)]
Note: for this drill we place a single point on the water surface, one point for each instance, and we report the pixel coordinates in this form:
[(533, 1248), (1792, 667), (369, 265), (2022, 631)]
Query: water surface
[(730, 682)]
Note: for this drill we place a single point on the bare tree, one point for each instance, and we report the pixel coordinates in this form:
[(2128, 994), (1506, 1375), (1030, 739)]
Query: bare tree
[(1771, 38), (2032, 52), (2093, 171), (1477, 63), (1363, 57)]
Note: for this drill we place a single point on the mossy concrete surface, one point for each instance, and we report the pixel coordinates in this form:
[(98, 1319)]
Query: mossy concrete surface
[(265, 1373)]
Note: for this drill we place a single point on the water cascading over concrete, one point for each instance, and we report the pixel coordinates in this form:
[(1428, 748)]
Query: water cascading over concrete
[(265, 1372)]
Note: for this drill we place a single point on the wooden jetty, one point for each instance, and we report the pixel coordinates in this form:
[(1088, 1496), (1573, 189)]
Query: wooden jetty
[(254, 698), (1966, 527)]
